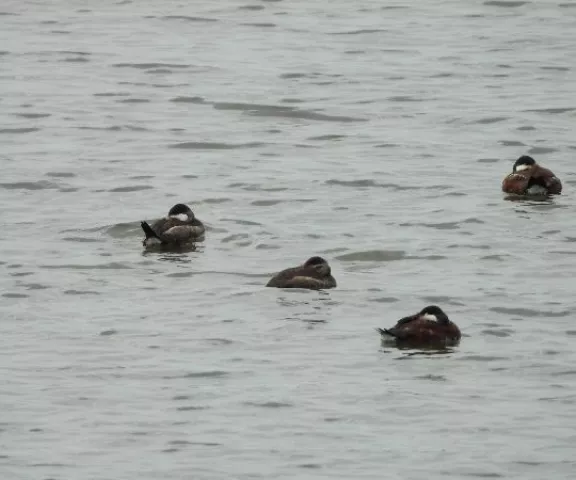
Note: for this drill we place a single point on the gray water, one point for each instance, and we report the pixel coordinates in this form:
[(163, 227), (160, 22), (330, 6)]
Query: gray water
[(375, 134)]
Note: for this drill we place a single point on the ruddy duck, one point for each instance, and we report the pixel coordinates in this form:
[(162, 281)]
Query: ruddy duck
[(429, 328), (178, 228), (314, 274), (529, 178)]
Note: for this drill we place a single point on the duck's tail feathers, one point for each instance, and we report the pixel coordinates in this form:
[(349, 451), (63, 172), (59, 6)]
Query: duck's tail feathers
[(385, 333), (148, 231)]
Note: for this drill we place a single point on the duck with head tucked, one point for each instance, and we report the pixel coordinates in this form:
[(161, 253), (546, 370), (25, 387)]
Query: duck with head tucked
[(314, 274), (179, 228), (529, 178), (430, 327)]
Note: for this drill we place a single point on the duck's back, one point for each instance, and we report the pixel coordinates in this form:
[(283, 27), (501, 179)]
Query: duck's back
[(427, 332), (173, 229), (166, 223), (301, 277)]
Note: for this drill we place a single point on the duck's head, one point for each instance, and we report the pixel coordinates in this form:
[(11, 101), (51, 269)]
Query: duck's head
[(319, 264), (181, 211), (523, 163), (434, 314)]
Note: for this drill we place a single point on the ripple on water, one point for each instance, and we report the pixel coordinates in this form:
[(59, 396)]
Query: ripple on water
[(122, 230), (498, 258), (488, 160), (506, 3), (134, 100), (432, 377), (32, 115), (108, 333), (489, 120), (437, 226), (18, 130), (76, 60), (60, 174), (270, 203), (256, 187), (552, 110), (283, 111), (112, 94), (441, 299), (259, 24), (184, 99), (148, 66), (15, 295), (81, 292), (133, 188), (111, 128), (219, 341), (363, 31), (373, 256), (369, 183), (102, 266), (555, 68), (269, 404), (267, 246), (386, 145), (21, 274), (241, 221), (38, 185), (511, 143), (215, 201), (187, 18), (483, 358), (215, 145), (405, 98), (541, 150), (497, 332), (384, 300), (527, 312), (251, 7), (204, 374), (327, 137)]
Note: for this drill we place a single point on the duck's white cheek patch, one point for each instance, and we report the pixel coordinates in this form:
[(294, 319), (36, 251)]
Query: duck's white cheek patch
[(430, 317), (521, 168), (152, 241), (181, 216)]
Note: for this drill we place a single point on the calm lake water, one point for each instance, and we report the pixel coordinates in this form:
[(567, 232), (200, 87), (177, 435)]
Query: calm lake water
[(375, 134)]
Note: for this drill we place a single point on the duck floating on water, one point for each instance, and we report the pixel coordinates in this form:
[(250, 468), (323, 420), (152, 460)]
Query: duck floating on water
[(179, 228), (314, 274), (431, 327), (529, 178)]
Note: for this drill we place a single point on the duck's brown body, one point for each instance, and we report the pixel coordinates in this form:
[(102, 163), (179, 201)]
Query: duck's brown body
[(314, 274), (528, 177), (429, 328), (180, 227)]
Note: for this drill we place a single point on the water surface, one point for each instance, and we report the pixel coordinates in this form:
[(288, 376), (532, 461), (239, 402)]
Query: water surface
[(374, 134)]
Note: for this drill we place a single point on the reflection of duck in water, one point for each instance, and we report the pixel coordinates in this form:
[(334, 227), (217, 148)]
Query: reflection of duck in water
[(429, 328), (314, 274), (180, 227), (529, 178)]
